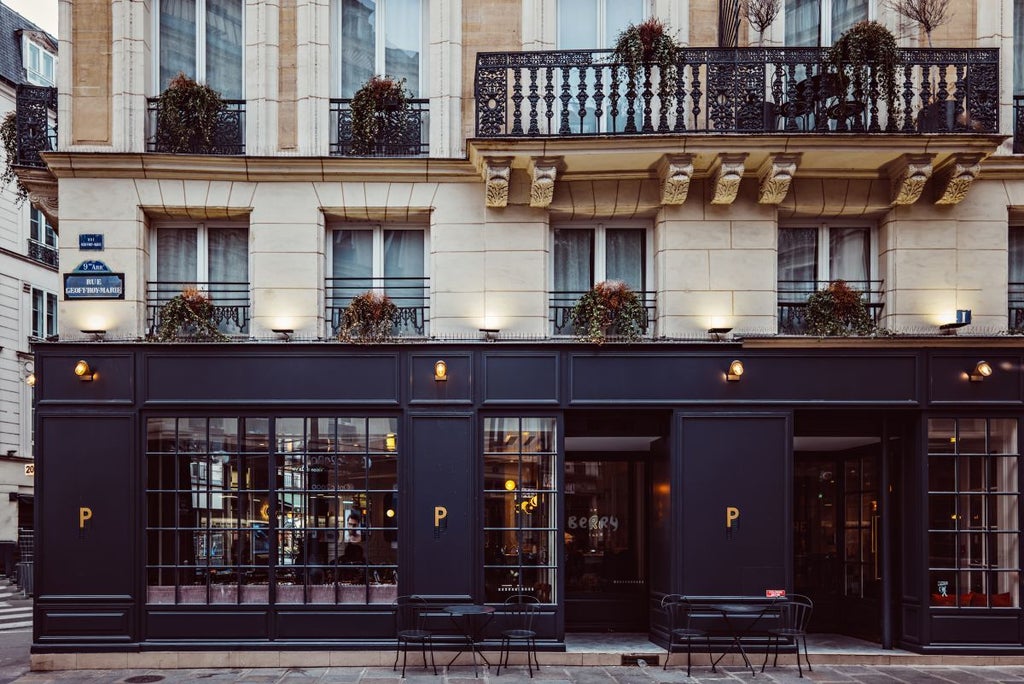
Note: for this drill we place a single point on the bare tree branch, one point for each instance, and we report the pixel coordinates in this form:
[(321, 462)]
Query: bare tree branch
[(928, 14), (761, 14)]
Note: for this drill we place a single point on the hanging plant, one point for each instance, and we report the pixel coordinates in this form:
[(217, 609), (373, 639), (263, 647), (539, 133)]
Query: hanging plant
[(867, 49), (648, 43), (369, 317), (9, 139), (610, 308), (838, 310), (381, 105), (188, 316), (187, 117)]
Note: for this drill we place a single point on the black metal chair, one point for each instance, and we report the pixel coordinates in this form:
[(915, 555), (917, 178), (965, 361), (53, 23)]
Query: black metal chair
[(794, 614), (679, 611), (520, 613), (411, 630)]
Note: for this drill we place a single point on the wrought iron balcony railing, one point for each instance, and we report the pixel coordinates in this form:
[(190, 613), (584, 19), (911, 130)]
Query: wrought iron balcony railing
[(228, 139), (793, 295), (561, 303), (1016, 308), (410, 295), (36, 123), (402, 135), (230, 303), (44, 254), (732, 90), (1018, 124)]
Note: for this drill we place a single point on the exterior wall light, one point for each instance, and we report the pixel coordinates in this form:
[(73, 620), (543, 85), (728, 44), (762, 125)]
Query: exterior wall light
[(982, 370), (735, 371), (716, 333), (490, 334), (963, 317), (390, 441), (84, 372), (31, 380), (284, 333), (30, 374), (390, 513), (440, 371), (97, 334)]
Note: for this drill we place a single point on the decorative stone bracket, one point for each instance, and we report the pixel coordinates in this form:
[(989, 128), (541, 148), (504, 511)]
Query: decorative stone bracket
[(497, 174), (776, 174), (42, 190), (909, 174), (954, 178), (675, 172), (728, 172), (543, 172)]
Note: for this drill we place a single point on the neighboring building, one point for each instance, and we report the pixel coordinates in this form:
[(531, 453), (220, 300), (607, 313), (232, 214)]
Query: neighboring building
[(281, 488), (29, 287)]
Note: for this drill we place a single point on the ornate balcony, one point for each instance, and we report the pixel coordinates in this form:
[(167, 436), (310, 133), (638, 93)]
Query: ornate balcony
[(793, 296), (230, 303), (403, 136), (44, 254), (561, 303), (1016, 308), (1018, 124), (229, 138), (410, 295), (36, 132), (572, 93)]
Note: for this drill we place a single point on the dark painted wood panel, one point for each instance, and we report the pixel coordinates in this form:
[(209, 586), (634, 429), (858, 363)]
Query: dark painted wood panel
[(83, 623), (214, 624), (457, 389), (328, 624), (976, 629), (950, 379), (113, 381), (520, 378)]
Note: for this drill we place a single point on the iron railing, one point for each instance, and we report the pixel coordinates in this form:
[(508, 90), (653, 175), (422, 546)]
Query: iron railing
[(793, 295), (36, 123), (402, 134), (228, 138), (561, 304), (410, 295), (1016, 307), (43, 253), (1018, 124), (732, 90), (230, 302)]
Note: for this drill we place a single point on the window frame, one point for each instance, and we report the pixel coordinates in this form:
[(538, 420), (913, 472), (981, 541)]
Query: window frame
[(825, 22), (421, 91), (379, 228), (602, 23), (40, 230), (31, 49), (43, 319), (203, 229), (822, 255), (200, 33), (600, 256)]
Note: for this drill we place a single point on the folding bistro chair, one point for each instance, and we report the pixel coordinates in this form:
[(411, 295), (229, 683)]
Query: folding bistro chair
[(520, 612), (794, 613), (679, 611), (411, 630)]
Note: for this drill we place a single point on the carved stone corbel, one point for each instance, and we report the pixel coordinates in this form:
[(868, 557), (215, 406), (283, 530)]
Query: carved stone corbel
[(42, 190), (543, 172), (909, 174), (675, 172), (728, 174), (776, 175), (954, 178), (497, 174)]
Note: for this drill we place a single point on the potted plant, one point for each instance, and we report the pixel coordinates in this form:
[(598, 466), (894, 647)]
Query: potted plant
[(865, 56), (643, 45), (761, 14), (838, 310), (369, 317), (187, 117), (189, 316), (611, 307), (381, 106), (9, 139)]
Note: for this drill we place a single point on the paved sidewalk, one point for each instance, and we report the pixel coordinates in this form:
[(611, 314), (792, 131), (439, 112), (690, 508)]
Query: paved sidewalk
[(838, 674)]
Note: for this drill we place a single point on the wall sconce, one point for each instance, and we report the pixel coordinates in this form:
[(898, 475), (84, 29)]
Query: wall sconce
[(30, 374), (735, 371), (284, 333), (982, 370), (84, 372), (390, 441), (716, 333), (963, 317), (31, 380), (97, 335), (440, 371), (490, 334)]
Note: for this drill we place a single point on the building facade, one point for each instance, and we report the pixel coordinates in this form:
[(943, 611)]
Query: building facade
[(279, 482), (29, 288)]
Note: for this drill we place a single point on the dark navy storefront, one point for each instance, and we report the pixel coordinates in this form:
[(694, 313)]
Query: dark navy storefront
[(710, 485)]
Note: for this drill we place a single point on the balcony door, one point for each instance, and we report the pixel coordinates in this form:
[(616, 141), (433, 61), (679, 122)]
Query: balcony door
[(204, 39)]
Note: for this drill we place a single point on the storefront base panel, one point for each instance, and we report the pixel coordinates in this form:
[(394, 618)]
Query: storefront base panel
[(991, 630), (77, 624)]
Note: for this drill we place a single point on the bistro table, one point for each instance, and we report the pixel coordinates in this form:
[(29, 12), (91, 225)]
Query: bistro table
[(739, 618), (471, 619)]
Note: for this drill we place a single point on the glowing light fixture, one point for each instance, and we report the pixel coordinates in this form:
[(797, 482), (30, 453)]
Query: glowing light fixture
[(717, 332), (284, 333), (440, 371), (735, 371), (83, 371), (31, 380), (390, 441), (982, 370), (390, 513), (97, 334), (510, 485)]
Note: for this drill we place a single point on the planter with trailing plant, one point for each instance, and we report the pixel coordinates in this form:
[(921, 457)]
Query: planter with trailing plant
[(380, 112), (188, 316), (838, 310), (864, 61), (188, 115), (369, 317), (638, 47), (9, 140), (610, 308)]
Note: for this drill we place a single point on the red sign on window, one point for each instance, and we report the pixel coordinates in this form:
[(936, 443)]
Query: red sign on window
[(774, 593)]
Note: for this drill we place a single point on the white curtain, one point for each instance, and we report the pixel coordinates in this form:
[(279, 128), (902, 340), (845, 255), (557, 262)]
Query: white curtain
[(803, 23), (624, 256), (798, 260), (176, 250), (846, 13), (352, 257), (228, 262), (1018, 47), (403, 258), (574, 260), (224, 43), (177, 39), (850, 256), (1016, 251)]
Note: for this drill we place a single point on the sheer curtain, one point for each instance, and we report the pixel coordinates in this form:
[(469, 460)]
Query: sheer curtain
[(403, 258), (352, 258), (846, 13), (798, 261), (224, 41), (1016, 248), (624, 256), (1018, 47), (574, 260), (849, 256), (358, 43), (176, 250), (228, 266), (177, 39), (803, 23)]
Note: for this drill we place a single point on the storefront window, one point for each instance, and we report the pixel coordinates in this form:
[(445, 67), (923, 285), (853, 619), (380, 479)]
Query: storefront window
[(320, 520), (974, 513), (520, 501)]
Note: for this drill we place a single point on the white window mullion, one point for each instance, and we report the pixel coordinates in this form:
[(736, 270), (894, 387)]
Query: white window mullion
[(600, 255), (378, 256), (203, 256), (201, 41), (822, 271), (379, 43)]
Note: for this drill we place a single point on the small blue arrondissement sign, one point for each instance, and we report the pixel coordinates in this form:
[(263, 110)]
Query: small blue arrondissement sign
[(93, 280), (91, 241)]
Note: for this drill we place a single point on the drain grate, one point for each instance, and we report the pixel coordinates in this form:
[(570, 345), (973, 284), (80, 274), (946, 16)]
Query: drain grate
[(144, 679), (635, 658)]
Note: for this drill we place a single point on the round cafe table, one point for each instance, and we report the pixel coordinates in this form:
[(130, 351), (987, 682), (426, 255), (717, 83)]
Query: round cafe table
[(471, 619)]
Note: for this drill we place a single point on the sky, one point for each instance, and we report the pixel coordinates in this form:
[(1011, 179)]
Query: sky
[(42, 12)]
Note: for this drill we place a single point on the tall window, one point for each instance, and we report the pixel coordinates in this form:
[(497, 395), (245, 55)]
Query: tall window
[(520, 508), (290, 511), (204, 40), (1018, 47), (44, 314), (1015, 278), (384, 37), (973, 512), (390, 260), (40, 63), (42, 239), (812, 23)]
